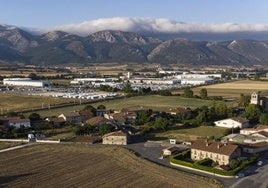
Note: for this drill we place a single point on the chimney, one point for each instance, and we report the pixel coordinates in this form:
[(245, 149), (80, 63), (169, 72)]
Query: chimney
[(207, 142), (218, 146)]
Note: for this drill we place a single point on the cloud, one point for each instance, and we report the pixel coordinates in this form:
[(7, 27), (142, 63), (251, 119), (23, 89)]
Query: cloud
[(156, 25)]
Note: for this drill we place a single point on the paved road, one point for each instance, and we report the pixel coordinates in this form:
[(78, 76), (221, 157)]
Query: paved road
[(258, 176), (153, 152)]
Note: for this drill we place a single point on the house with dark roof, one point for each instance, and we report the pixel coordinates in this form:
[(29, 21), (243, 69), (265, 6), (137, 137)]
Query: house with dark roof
[(180, 111), (56, 121), (233, 122), (85, 115), (171, 150), (17, 123), (116, 138), (71, 117), (254, 147), (219, 152)]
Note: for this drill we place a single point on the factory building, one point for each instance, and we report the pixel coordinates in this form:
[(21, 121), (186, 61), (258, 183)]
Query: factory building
[(25, 82), (90, 80)]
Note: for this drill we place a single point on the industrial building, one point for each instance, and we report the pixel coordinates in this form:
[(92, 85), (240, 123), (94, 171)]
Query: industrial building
[(25, 82), (90, 80)]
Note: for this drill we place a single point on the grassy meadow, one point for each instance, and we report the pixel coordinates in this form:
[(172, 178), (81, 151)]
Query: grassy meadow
[(155, 102), (180, 133), (17, 102)]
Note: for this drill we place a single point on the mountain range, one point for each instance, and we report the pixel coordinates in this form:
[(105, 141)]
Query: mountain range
[(59, 48)]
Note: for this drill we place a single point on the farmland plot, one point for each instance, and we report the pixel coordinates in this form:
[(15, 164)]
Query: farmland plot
[(87, 166)]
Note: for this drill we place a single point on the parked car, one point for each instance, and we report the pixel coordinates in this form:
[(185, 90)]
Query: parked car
[(240, 175), (259, 163)]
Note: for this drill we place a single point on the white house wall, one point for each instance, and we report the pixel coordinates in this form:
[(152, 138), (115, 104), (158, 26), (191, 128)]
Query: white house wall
[(228, 123)]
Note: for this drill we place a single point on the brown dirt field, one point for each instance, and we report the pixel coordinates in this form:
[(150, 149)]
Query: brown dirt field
[(88, 166)]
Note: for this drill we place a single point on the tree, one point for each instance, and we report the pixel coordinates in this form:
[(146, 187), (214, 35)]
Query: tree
[(105, 128), (221, 110), (203, 93), (252, 113), (33, 76), (34, 117), (127, 88), (188, 92), (101, 107), (244, 100), (264, 119), (161, 124), (234, 163)]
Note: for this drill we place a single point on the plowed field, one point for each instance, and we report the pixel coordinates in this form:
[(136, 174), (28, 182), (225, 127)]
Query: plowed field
[(87, 166)]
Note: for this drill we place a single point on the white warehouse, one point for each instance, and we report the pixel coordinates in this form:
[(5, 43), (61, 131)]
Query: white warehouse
[(197, 81), (90, 80), (25, 82)]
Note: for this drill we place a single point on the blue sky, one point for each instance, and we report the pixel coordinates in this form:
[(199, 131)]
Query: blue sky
[(52, 13)]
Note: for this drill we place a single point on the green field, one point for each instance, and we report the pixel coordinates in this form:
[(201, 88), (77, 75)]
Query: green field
[(154, 102), (18, 102), (183, 134)]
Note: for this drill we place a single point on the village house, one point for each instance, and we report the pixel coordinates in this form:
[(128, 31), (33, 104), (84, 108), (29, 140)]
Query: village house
[(171, 150), (115, 138), (249, 131), (17, 123), (71, 117), (233, 122), (56, 121), (180, 111), (85, 115), (119, 118), (254, 147), (98, 120), (217, 151), (102, 112), (132, 112)]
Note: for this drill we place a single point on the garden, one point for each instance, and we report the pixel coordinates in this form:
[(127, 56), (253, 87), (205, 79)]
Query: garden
[(208, 165)]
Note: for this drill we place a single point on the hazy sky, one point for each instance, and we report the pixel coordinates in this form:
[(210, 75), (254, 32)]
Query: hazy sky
[(52, 13)]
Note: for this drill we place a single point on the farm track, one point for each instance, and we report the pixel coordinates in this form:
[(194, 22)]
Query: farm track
[(87, 166)]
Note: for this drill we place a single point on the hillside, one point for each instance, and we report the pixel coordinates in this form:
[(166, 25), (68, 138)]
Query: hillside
[(58, 48)]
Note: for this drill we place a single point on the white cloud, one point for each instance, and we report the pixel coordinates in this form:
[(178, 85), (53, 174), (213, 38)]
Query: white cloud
[(155, 25)]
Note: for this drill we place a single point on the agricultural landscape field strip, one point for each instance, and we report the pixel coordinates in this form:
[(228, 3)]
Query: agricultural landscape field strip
[(88, 166)]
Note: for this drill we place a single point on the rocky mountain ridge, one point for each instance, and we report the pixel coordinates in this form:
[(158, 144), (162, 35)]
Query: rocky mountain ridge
[(57, 47)]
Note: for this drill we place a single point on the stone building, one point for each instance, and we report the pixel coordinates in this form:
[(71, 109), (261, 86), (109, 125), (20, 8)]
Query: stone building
[(219, 152), (115, 138)]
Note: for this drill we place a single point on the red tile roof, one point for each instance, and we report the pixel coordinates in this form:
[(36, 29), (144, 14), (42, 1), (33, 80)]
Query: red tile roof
[(97, 120), (214, 147)]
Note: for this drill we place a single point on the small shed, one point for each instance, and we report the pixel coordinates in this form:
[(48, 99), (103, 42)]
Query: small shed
[(170, 151)]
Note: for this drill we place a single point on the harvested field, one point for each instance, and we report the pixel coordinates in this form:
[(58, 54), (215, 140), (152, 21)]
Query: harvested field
[(4, 145), (234, 89), (87, 166)]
